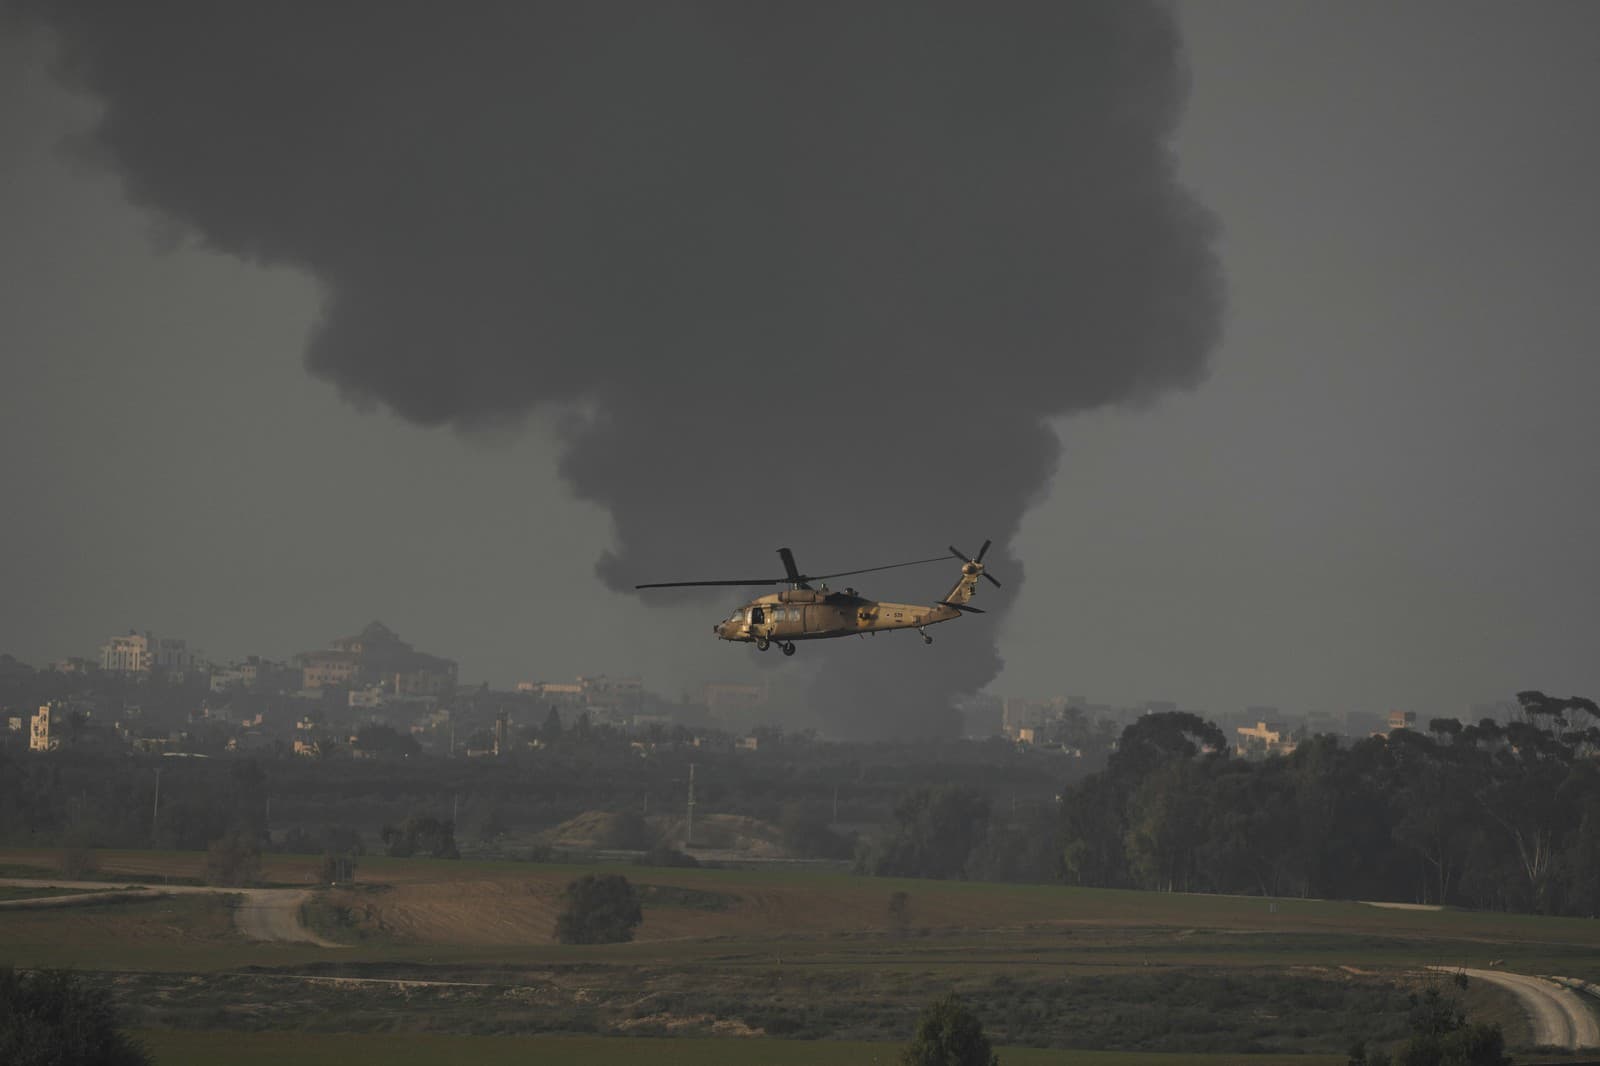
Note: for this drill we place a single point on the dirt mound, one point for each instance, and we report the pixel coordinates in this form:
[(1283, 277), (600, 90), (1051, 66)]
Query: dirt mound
[(588, 830), (731, 833)]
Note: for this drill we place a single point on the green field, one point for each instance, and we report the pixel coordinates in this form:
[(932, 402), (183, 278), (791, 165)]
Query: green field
[(306, 1049)]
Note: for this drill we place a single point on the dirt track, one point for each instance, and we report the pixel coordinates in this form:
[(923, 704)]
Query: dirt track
[(1560, 1016), (271, 914)]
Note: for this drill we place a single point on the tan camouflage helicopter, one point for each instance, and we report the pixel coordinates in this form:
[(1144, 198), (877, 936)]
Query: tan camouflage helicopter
[(801, 612)]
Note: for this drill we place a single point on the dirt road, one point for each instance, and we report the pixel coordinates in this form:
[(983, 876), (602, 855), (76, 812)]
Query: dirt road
[(271, 914), (1561, 1017)]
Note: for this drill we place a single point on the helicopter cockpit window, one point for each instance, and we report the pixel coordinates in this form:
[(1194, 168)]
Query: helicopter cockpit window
[(737, 616), (757, 616)]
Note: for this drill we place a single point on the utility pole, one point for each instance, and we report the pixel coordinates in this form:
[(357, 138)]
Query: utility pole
[(155, 809), (455, 810), (688, 835), (835, 804)]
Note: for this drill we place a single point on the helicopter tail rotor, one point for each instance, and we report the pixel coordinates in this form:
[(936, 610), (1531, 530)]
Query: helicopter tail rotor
[(975, 561)]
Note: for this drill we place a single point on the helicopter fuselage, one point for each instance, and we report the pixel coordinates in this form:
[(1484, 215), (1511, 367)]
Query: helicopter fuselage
[(815, 614)]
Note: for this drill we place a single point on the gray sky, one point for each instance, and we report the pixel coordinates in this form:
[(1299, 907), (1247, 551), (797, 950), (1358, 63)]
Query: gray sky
[(1382, 496)]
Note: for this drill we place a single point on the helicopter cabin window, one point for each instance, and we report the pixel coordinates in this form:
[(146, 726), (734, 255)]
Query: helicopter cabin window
[(794, 614), (757, 616)]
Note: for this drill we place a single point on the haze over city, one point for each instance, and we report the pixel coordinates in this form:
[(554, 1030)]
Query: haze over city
[(1372, 488)]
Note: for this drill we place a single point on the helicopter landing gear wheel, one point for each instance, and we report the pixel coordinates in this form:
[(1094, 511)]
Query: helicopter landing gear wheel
[(926, 639), (788, 647), (762, 644)]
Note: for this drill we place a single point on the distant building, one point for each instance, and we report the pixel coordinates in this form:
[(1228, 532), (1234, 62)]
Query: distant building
[(502, 732), (326, 669), (1263, 739), (44, 732), (139, 653), (607, 699), (131, 654), (252, 672), (1402, 720), (369, 698), (726, 699), (377, 656)]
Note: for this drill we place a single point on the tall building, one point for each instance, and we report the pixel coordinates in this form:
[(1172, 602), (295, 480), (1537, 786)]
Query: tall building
[(140, 653), (131, 654), (44, 733), (377, 656)]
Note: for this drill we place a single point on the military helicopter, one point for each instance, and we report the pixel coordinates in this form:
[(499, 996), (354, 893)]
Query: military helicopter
[(801, 612)]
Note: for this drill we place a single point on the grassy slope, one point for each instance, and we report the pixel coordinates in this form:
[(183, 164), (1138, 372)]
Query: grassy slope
[(173, 1048)]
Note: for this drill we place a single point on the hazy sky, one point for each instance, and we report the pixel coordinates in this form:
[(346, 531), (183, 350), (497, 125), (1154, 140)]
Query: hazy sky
[(1383, 495)]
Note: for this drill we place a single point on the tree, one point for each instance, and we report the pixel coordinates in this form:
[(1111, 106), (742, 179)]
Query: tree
[(948, 1034), (900, 912), (550, 732), (938, 830), (233, 859), (421, 835), (806, 832), (1441, 1036), (49, 1017), (601, 909)]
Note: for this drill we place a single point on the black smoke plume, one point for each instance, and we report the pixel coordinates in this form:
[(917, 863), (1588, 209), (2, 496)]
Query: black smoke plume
[(813, 274)]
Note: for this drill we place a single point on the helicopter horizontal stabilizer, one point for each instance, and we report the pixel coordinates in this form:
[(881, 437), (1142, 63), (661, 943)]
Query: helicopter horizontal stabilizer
[(964, 609)]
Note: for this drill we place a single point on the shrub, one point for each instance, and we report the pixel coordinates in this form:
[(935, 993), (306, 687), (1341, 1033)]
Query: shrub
[(948, 1034), (601, 909), (49, 1017), (666, 855)]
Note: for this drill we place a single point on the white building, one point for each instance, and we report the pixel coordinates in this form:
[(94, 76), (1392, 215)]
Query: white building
[(141, 653)]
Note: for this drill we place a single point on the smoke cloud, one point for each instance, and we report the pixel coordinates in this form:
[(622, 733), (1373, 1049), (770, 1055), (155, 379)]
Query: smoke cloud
[(812, 274)]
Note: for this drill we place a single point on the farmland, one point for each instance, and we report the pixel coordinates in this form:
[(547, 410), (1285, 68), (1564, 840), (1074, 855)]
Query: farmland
[(459, 950)]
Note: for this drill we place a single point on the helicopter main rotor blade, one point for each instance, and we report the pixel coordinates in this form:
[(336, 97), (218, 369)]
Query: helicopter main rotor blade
[(874, 569), (694, 584)]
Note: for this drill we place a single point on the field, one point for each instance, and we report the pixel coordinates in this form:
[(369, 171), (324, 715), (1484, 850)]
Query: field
[(454, 951), (271, 1049)]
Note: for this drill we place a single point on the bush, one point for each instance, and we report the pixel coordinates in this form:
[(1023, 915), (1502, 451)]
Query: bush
[(50, 1017), (601, 909), (666, 855), (948, 1034), (628, 831)]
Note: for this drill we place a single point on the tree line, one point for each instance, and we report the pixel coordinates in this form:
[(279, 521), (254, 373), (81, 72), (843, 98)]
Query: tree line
[(1501, 816)]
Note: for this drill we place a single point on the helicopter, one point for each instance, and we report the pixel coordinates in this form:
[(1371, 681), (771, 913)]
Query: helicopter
[(802, 612)]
